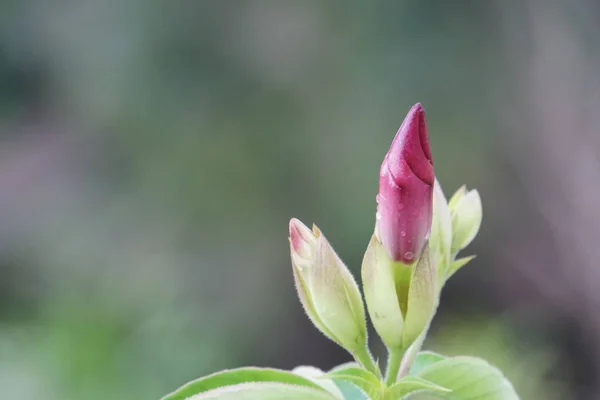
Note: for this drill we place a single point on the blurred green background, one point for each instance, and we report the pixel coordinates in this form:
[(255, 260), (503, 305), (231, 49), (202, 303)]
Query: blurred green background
[(152, 153)]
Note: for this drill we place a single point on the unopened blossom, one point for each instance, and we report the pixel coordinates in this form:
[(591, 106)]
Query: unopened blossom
[(406, 180), (327, 290)]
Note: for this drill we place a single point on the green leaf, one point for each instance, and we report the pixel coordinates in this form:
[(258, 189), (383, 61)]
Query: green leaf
[(348, 364), (457, 264), (409, 385), (263, 391), (240, 376), (469, 378), (365, 380), (351, 391), (423, 360), (315, 375)]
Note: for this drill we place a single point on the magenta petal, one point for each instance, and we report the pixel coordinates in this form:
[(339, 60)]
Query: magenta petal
[(405, 199)]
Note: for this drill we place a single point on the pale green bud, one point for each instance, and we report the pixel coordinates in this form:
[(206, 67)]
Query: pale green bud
[(327, 290), (466, 218), (456, 197), (440, 240), (401, 299)]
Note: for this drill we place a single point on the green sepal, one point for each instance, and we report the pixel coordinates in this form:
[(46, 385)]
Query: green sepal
[(458, 264), (379, 286), (422, 298)]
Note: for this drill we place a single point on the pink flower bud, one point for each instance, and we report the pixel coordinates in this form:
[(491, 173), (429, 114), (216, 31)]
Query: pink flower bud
[(405, 199)]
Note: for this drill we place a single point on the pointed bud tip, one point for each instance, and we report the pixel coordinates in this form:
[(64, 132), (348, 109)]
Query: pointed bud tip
[(316, 231), (410, 152), (472, 198), (418, 107), (293, 226), (466, 219), (298, 234), (406, 182)]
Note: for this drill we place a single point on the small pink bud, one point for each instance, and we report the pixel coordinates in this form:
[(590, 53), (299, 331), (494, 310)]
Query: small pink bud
[(405, 196)]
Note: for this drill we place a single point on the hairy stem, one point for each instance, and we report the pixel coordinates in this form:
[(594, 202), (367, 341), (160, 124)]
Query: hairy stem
[(364, 358), (393, 365)]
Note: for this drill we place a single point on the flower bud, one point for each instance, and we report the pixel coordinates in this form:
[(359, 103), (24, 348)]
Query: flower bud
[(406, 178), (401, 300), (466, 218), (326, 288), (456, 197), (440, 240)]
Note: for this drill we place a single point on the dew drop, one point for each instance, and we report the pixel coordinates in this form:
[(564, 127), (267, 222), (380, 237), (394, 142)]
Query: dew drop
[(378, 198), (378, 216), (402, 233), (409, 255)]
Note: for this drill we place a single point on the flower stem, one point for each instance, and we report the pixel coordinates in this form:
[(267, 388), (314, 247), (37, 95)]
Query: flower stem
[(393, 365), (364, 358)]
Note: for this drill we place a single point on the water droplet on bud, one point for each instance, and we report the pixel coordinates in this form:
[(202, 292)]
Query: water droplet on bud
[(409, 255), (402, 233), (378, 216)]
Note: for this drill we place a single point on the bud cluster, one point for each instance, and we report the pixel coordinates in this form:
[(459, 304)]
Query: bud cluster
[(411, 254)]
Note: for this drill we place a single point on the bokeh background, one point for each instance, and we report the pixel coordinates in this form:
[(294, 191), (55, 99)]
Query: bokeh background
[(152, 153)]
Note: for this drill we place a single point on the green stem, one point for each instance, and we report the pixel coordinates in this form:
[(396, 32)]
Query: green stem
[(411, 354), (393, 365), (364, 358)]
